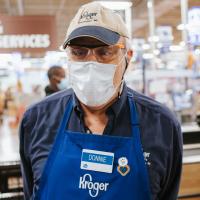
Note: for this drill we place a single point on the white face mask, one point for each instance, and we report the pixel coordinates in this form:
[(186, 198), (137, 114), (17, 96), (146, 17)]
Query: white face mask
[(64, 84), (92, 82)]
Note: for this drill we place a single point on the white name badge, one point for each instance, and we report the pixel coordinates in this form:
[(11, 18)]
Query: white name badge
[(97, 161)]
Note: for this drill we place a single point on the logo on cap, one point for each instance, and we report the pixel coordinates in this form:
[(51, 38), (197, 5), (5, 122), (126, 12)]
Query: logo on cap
[(87, 17)]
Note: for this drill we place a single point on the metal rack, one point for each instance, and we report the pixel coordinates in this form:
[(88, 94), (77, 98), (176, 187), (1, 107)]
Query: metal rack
[(10, 181)]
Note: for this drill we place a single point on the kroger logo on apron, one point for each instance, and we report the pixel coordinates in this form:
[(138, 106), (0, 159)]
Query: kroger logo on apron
[(93, 187)]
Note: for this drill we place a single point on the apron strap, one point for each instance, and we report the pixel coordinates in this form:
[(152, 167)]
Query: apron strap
[(137, 142), (134, 115)]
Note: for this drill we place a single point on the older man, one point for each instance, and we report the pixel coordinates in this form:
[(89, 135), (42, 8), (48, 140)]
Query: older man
[(100, 139)]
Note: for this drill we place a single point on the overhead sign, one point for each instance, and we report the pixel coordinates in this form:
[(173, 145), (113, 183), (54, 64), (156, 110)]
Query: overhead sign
[(194, 25), (27, 34)]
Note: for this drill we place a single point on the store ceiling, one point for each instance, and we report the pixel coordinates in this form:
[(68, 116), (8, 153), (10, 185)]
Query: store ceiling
[(167, 12)]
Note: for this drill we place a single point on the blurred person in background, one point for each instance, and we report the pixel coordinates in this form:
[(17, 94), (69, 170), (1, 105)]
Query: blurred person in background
[(100, 139), (8, 96), (57, 81)]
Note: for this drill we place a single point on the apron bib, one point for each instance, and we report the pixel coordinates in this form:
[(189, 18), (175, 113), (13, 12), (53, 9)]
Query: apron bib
[(84, 166)]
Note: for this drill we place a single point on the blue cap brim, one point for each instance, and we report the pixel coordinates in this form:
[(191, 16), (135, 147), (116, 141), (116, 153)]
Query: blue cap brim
[(105, 35)]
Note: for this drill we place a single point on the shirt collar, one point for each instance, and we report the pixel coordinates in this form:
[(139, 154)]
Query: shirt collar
[(116, 107)]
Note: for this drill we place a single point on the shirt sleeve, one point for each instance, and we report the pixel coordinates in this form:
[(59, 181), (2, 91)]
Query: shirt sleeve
[(25, 161), (170, 186)]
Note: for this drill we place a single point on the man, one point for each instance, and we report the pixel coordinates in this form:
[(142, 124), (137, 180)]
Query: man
[(100, 139), (56, 76)]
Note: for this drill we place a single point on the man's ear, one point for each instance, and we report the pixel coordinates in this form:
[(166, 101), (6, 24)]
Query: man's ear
[(129, 55)]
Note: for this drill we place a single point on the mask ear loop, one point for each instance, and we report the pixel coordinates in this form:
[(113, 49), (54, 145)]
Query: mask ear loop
[(122, 81)]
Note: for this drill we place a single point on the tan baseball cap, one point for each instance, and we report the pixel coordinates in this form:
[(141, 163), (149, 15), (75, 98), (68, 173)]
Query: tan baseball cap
[(94, 20)]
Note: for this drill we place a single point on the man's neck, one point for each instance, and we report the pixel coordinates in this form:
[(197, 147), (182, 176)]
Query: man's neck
[(95, 118), (53, 87)]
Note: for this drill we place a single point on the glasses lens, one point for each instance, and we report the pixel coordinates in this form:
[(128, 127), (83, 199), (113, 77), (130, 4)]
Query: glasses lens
[(106, 53), (103, 54), (78, 53)]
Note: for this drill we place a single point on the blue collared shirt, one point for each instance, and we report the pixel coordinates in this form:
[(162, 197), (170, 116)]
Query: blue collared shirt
[(161, 138)]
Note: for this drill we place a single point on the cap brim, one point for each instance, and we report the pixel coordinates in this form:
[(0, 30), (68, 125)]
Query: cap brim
[(105, 35)]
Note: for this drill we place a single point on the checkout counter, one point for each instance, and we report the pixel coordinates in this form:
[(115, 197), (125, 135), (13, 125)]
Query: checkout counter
[(190, 182), (10, 175)]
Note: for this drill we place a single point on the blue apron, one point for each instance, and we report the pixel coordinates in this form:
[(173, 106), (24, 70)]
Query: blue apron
[(64, 179)]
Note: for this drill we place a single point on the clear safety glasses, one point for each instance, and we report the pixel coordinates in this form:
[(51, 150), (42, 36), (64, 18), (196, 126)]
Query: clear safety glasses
[(103, 54)]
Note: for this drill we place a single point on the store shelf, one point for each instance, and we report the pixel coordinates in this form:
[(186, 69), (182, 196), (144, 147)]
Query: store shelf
[(191, 140), (154, 74), (191, 159), (191, 136), (190, 127)]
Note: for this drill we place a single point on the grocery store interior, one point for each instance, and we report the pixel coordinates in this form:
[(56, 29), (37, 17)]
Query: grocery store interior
[(165, 38)]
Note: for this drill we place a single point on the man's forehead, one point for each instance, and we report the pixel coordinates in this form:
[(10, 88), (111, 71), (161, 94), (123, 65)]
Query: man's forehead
[(88, 41)]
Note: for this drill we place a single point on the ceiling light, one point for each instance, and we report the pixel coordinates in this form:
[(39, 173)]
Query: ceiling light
[(153, 38), (159, 45), (182, 43), (175, 48), (197, 51), (149, 4), (148, 56), (181, 27), (145, 46), (156, 52)]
